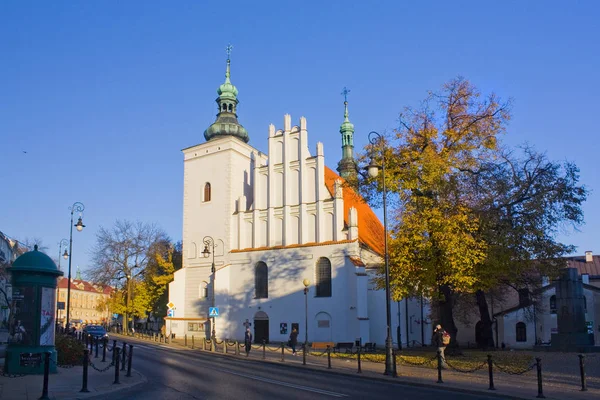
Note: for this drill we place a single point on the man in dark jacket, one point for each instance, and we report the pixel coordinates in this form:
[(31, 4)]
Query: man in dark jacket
[(294, 341), (438, 342), (248, 341)]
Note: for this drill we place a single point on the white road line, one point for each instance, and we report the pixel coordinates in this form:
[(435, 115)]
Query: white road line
[(280, 383)]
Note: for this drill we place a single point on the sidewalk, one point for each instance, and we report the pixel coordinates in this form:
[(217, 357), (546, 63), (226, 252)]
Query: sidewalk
[(67, 383), (560, 379)]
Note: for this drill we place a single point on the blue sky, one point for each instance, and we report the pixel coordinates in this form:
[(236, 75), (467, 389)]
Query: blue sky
[(103, 95)]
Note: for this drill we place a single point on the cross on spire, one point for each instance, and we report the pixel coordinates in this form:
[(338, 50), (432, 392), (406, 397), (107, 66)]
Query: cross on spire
[(345, 94), (228, 50)]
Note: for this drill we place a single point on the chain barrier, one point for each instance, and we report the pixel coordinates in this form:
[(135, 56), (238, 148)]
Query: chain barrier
[(508, 371), (467, 371), (417, 363), (257, 347), (230, 344), (316, 354), (273, 349), (101, 369), (217, 342)]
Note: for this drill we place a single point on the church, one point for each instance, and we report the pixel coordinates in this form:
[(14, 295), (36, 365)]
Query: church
[(275, 241)]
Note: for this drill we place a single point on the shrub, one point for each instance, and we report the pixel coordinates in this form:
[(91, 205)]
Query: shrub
[(69, 350)]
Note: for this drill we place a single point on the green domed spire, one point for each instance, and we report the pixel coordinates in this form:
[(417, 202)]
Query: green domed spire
[(347, 166), (227, 123)]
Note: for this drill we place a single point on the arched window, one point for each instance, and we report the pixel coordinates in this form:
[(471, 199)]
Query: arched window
[(203, 294), (521, 332), (553, 304), (323, 277), (261, 281), (207, 192)]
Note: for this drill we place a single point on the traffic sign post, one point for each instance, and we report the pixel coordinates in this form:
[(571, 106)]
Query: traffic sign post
[(213, 311)]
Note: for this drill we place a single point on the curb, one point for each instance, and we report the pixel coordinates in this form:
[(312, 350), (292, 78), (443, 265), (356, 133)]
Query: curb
[(398, 381), (116, 388)]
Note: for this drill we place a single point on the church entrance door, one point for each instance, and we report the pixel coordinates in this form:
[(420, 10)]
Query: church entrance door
[(261, 327)]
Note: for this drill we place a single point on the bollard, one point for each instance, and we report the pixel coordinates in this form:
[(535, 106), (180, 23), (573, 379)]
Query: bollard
[(91, 344), (213, 345), (192, 342), (123, 354), (224, 346), (185, 340), (439, 367), (104, 349), (113, 350), (582, 371), (395, 366), (264, 349), (358, 358), (328, 357), (282, 352), (86, 362), (97, 340), (304, 353), (87, 338), (46, 373), (491, 372), (129, 360), (237, 348), (117, 358), (538, 362)]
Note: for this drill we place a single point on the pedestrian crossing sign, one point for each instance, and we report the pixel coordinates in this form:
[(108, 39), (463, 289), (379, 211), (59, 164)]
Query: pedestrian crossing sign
[(213, 311)]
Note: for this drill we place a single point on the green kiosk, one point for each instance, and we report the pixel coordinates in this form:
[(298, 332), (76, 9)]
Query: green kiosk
[(32, 322)]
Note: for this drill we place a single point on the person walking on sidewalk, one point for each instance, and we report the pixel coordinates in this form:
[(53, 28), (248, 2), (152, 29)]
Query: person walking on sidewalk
[(248, 341), (440, 340), (293, 340)]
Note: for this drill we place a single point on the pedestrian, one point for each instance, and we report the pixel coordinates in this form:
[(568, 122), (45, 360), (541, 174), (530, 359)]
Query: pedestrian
[(294, 340), (248, 341), (440, 340)]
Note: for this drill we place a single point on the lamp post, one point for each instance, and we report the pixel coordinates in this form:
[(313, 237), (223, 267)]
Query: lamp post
[(76, 207), (373, 170), (61, 244), (306, 283), (210, 242), (128, 277)]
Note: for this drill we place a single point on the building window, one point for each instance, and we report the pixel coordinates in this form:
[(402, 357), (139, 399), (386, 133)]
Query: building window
[(203, 290), (195, 327), (553, 304), (207, 192), (323, 277), (261, 281), (521, 332)]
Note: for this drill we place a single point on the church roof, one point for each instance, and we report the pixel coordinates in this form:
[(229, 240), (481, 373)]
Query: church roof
[(77, 284), (370, 229), (592, 268)]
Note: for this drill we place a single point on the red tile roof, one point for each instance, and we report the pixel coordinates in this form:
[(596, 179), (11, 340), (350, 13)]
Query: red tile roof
[(370, 229), (86, 286)]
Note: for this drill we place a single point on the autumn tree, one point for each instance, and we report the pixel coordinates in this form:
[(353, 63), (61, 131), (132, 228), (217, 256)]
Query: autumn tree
[(434, 248), (120, 258)]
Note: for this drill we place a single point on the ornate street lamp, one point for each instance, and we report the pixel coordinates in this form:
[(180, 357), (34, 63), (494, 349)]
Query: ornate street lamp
[(373, 170), (76, 207), (61, 244), (306, 283), (209, 243)]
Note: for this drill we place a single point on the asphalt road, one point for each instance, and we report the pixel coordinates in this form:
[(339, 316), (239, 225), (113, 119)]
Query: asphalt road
[(182, 375)]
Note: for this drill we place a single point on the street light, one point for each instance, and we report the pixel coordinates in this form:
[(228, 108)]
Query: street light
[(305, 282), (373, 170), (209, 241), (128, 277), (61, 244), (76, 207)]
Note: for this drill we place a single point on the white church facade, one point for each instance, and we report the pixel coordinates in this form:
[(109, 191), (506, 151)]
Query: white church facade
[(256, 225)]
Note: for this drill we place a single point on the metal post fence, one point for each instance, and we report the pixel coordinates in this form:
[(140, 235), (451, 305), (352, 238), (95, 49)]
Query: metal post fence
[(123, 354), (104, 349), (358, 359), (97, 340), (129, 360), (328, 357), (114, 350), (538, 362), (192, 341), (46, 373), (282, 352), (394, 365), (264, 345), (582, 372), (86, 362), (491, 372), (304, 353), (185, 340), (117, 358)]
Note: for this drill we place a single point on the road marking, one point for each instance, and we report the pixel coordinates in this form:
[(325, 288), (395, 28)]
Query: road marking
[(280, 383)]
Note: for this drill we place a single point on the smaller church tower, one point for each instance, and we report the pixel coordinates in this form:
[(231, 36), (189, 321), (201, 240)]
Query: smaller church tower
[(227, 123), (347, 166)]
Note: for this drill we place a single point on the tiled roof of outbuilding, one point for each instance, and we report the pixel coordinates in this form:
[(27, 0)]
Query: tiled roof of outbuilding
[(591, 268)]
